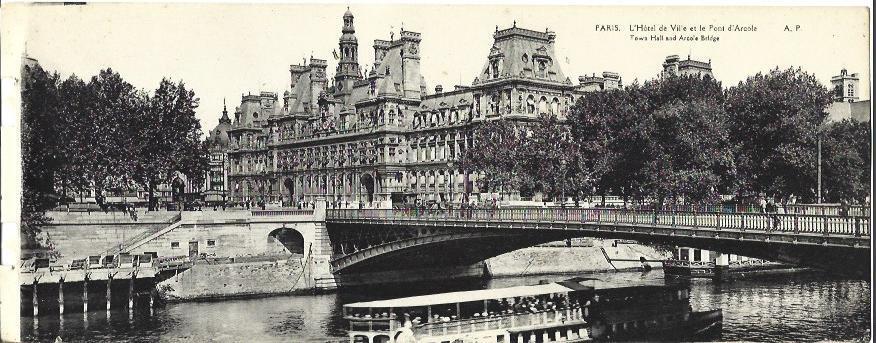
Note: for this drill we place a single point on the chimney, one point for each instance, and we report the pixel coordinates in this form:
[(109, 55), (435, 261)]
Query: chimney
[(439, 89)]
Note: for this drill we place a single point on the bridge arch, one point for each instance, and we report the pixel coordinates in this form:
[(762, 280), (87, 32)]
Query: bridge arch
[(286, 240)]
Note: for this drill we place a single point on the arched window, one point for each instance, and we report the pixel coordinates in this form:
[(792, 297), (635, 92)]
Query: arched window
[(495, 68), (555, 106), (530, 104), (494, 104), (851, 90), (542, 105)]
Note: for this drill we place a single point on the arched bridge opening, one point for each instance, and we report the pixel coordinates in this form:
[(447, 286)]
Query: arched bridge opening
[(286, 241), (361, 249)]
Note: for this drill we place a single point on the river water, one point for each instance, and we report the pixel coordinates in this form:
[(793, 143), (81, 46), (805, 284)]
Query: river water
[(797, 307)]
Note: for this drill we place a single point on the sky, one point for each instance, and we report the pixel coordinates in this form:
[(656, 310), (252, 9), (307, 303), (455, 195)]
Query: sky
[(224, 51)]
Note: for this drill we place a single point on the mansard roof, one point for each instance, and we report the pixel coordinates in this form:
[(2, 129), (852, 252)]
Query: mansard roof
[(452, 99), (520, 52)]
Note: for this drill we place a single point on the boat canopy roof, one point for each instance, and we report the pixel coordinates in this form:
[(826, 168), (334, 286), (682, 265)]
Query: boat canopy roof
[(465, 296)]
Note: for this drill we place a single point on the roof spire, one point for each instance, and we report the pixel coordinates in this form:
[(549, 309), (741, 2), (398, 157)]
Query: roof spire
[(515, 23), (224, 118)]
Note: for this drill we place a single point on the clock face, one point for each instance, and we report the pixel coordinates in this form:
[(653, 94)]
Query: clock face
[(413, 49)]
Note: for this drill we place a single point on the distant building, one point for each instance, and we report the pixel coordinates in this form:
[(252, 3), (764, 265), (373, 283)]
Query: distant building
[(845, 86), (608, 80), (845, 96), (673, 65)]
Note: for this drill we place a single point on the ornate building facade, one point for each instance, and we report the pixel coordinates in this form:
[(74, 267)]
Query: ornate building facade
[(381, 135)]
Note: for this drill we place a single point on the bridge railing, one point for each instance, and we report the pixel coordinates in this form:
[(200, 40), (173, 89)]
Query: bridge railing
[(282, 212), (764, 222)]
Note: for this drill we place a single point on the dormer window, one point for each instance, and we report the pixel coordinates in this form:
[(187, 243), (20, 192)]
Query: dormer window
[(494, 68)]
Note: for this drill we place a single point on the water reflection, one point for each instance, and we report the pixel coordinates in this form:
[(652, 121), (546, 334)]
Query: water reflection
[(805, 307)]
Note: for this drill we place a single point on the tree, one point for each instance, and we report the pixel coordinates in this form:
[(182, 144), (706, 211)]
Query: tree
[(624, 141), (627, 124), (39, 121), (494, 152), (610, 138), (166, 138), (73, 151), (774, 119), (549, 158), (846, 161), (689, 151), (112, 113)]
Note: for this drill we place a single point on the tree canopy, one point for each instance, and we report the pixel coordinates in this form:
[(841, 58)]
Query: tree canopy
[(684, 139), (104, 134)]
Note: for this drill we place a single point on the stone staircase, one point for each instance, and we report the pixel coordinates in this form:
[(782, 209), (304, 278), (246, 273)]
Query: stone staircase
[(325, 283), (146, 238)]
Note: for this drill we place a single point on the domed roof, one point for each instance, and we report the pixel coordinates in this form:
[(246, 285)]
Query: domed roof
[(348, 13), (348, 37), (219, 136)]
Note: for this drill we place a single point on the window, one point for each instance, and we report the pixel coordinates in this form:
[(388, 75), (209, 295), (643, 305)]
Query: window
[(211, 242), (542, 105), (851, 90), (174, 245)]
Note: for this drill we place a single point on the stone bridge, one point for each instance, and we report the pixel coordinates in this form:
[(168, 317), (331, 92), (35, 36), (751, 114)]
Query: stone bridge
[(370, 240)]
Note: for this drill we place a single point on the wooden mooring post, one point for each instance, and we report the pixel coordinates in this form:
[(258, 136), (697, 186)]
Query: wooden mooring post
[(109, 293), (61, 296), (34, 300), (85, 294)]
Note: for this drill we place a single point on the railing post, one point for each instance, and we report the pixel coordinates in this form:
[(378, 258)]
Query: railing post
[(718, 221), (796, 224), (825, 221), (857, 227)]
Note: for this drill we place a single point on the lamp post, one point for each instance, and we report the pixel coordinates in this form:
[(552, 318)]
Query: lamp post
[(819, 165), (818, 133)]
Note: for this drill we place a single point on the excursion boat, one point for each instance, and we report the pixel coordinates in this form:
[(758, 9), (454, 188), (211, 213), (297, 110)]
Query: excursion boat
[(574, 310), (703, 264)]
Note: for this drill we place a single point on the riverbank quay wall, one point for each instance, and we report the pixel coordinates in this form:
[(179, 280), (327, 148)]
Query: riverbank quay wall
[(76, 235)]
